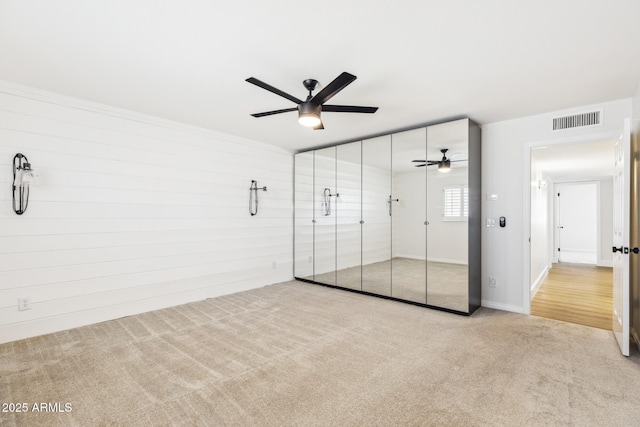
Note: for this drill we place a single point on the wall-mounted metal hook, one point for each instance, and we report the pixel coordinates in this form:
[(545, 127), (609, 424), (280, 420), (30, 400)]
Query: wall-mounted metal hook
[(253, 197)]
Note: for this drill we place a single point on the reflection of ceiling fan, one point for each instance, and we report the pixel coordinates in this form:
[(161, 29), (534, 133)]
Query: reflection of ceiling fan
[(309, 110), (444, 164)]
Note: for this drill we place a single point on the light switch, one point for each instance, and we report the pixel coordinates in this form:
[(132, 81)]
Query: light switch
[(492, 197)]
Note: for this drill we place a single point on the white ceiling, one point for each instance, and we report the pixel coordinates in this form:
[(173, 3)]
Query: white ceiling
[(418, 61), (576, 162)]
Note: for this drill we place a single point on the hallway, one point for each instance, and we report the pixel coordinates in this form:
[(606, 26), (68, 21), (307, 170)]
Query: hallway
[(576, 293)]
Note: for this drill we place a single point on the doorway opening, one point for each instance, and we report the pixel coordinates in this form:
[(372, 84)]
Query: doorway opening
[(572, 232)]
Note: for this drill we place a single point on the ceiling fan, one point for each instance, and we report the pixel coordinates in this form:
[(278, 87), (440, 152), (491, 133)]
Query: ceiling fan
[(444, 164), (310, 109)]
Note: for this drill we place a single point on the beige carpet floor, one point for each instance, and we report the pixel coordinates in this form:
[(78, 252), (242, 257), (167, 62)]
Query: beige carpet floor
[(306, 355)]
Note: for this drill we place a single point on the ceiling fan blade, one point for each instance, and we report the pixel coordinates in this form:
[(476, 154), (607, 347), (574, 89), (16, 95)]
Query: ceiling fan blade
[(349, 109), (319, 127), (421, 166), (332, 88), (427, 162), (272, 89), (271, 113), (464, 160)]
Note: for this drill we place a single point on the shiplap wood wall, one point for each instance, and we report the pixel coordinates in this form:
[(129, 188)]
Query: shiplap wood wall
[(133, 213)]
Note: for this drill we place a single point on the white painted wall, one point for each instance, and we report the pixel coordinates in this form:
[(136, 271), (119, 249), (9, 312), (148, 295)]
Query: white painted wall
[(605, 199), (133, 213), (541, 226), (506, 157)]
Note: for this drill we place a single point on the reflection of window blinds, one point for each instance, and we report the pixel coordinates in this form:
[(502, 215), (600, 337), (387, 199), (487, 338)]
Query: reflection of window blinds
[(451, 202), (465, 203), (455, 203)]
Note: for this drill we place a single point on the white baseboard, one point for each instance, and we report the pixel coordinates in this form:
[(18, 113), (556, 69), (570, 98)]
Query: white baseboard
[(70, 320), (503, 307), (579, 257), (605, 263), (539, 280)]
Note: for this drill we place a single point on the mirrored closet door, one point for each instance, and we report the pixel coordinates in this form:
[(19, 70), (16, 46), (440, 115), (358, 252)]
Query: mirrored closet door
[(376, 215), (397, 216), (349, 212), (303, 216), (448, 214), (408, 225), (324, 236)]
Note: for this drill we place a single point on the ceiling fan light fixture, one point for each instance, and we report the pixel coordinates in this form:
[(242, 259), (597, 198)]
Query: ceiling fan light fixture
[(309, 114), (444, 166), (310, 109), (308, 119)]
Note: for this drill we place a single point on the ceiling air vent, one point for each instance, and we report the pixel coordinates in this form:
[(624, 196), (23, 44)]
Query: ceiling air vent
[(593, 118)]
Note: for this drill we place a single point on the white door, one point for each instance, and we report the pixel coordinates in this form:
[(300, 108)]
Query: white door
[(577, 205), (621, 196)]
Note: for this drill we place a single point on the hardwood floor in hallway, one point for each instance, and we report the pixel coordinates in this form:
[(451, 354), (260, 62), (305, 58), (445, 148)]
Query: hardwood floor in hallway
[(576, 293)]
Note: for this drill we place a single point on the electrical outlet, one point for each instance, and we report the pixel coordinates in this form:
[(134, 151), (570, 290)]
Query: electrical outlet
[(24, 304), (274, 265), (492, 282), (310, 259)]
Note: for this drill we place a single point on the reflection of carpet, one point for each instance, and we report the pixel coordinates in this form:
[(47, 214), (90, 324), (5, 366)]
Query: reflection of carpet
[(439, 284)]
